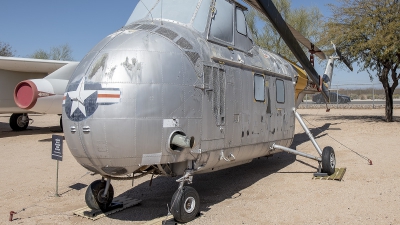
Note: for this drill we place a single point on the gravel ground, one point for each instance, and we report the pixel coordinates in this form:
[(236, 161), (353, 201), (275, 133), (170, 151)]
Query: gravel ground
[(275, 190)]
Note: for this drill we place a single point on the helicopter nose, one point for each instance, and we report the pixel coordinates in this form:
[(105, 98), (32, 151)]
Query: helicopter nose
[(116, 100)]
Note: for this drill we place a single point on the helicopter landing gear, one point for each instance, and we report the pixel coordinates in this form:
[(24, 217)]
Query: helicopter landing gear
[(327, 155), (19, 121), (99, 194), (185, 203)]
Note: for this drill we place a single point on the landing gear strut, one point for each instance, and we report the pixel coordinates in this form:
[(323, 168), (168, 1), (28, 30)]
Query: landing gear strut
[(19, 121), (185, 203), (327, 155), (99, 194)]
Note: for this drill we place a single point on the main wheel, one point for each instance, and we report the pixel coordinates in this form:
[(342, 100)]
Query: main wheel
[(185, 204), (94, 195), (328, 160), (17, 123)]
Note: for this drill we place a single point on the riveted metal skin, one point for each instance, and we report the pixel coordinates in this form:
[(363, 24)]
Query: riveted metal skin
[(148, 80)]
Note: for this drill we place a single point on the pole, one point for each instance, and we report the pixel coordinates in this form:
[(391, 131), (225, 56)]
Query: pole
[(57, 195), (307, 101), (337, 98), (373, 96)]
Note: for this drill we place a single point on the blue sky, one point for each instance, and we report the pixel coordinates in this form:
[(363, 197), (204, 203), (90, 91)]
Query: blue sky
[(31, 25)]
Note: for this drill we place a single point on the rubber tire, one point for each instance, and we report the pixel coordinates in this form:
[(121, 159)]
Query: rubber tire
[(14, 122), (61, 124), (327, 166), (177, 207), (93, 195)]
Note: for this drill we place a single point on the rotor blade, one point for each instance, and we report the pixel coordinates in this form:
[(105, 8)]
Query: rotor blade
[(268, 8), (307, 43), (342, 58)]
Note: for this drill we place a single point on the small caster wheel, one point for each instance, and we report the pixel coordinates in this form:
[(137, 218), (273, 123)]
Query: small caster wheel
[(328, 160), (185, 204), (94, 195)]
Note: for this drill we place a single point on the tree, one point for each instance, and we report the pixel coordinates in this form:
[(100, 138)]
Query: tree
[(62, 52), (367, 31), (40, 54), (5, 50), (304, 20)]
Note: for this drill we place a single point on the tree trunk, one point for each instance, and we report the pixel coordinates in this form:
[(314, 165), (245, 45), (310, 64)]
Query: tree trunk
[(388, 93), (389, 104)]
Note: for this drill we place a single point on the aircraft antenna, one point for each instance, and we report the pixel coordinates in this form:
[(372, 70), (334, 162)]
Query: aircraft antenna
[(147, 10)]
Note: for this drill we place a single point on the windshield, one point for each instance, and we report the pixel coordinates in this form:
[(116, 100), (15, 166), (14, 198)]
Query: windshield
[(177, 10)]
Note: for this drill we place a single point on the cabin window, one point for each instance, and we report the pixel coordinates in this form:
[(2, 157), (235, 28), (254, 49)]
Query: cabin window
[(280, 91), (240, 22), (259, 88), (222, 21)]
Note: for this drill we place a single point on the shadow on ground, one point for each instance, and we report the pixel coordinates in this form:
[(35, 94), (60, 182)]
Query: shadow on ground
[(360, 118), (6, 131), (316, 132), (213, 188)]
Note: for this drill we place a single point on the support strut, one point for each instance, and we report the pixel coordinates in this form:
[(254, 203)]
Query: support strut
[(104, 195), (308, 132), (295, 152)]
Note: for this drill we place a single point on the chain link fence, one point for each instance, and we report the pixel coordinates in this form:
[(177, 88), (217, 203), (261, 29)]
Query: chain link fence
[(370, 95)]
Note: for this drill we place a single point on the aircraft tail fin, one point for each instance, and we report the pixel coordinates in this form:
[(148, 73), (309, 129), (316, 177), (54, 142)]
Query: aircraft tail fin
[(327, 77)]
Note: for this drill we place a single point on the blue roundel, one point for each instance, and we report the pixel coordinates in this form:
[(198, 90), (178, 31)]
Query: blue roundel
[(82, 99)]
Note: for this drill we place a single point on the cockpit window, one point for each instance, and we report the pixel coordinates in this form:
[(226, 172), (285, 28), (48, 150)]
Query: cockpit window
[(200, 22), (177, 10), (221, 24), (240, 22), (141, 10)]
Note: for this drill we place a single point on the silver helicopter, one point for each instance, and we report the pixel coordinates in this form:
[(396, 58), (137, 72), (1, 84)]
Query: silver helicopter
[(181, 90)]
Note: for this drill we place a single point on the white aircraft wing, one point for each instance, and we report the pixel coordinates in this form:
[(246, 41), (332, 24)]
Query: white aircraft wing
[(14, 70), (30, 65)]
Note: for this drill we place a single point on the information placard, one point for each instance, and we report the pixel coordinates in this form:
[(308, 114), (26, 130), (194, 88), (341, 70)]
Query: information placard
[(57, 147)]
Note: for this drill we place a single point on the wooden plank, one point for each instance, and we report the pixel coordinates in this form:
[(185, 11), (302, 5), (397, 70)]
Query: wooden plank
[(337, 175), (97, 214), (159, 221)]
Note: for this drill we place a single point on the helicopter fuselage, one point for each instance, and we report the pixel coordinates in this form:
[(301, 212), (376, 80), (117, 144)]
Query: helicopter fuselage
[(152, 79)]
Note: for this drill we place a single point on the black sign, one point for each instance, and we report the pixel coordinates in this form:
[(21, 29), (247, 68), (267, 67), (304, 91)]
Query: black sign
[(57, 147)]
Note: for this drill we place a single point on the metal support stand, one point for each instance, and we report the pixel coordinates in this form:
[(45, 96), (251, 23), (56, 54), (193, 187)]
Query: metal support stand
[(57, 195), (319, 172)]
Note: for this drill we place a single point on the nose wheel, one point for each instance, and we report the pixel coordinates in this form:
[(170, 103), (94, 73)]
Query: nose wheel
[(185, 204), (98, 196)]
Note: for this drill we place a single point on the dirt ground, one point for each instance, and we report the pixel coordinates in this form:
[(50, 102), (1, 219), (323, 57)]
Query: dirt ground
[(275, 190)]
